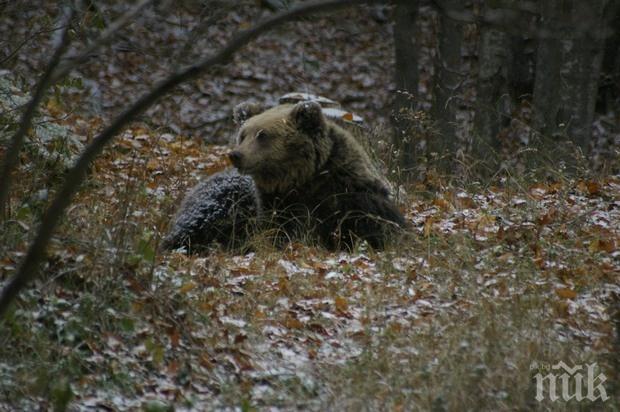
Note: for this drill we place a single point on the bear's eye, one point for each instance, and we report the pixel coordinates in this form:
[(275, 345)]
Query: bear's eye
[(261, 135)]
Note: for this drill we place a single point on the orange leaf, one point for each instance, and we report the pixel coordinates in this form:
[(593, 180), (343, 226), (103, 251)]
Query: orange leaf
[(442, 203), (566, 293), (428, 226), (341, 304), (186, 287), (590, 187), (348, 117), (465, 202), (602, 245), (259, 314), (292, 323), (239, 270), (594, 188)]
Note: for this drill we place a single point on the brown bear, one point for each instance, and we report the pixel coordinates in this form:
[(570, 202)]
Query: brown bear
[(312, 176)]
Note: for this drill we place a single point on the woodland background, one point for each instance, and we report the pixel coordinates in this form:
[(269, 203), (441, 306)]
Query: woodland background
[(498, 122)]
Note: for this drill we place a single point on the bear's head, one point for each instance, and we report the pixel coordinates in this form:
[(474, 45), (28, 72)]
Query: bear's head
[(283, 147)]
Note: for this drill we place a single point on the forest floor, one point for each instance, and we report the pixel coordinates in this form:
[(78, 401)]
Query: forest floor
[(496, 283), (499, 280)]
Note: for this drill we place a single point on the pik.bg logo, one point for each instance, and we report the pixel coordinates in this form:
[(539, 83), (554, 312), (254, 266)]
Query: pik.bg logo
[(566, 383)]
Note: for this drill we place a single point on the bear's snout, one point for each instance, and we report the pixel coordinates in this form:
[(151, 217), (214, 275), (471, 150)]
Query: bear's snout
[(235, 158)]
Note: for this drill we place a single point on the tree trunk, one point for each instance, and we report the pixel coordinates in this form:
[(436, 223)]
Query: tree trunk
[(493, 94), (447, 81), (610, 83), (522, 71), (547, 84), (406, 79), (568, 70)]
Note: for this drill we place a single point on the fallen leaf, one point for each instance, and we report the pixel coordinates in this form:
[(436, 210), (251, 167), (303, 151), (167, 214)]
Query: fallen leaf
[(602, 245), (186, 287), (566, 293), (341, 304), (293, 323)]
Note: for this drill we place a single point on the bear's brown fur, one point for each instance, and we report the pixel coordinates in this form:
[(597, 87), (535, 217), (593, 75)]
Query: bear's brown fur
[(312, 176)]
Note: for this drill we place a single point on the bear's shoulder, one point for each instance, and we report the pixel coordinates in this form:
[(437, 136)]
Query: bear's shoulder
[(350, 163)]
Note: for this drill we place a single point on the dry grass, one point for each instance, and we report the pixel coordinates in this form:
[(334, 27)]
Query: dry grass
[(492, 278)]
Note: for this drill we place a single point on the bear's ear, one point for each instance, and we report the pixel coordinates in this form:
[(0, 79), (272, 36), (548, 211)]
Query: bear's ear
[(243, 111), (308, 116)]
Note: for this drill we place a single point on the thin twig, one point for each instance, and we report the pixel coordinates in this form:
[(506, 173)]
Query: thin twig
[(27, 40), (12, 154), (77, 173), (74, 60), (55, 72)]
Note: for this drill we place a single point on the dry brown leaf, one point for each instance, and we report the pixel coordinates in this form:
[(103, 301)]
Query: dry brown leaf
[(320, 268), (442, 203), (283, 284), (465, 202), (539, 190), (561, 308), (565, 274), (395, 327), (293, 323), (589, 187), (175, 337), (173, 367), (566, 293), (259, 314), (341, 304), (602, 245), (152, 164), (205, 360), (548, 217), (428, 226), (186, 287)]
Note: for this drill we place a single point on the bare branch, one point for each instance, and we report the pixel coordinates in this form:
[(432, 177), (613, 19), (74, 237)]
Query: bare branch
[(55, 72), (76, 175), (105, 37), (31, 37), (12, 154)]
